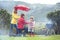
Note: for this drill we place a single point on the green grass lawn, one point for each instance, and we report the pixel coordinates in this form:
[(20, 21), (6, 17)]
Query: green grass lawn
[(53, 37)]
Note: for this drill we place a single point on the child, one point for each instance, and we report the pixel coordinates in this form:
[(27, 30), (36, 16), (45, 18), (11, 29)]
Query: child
[(31, 26), (21, 24)]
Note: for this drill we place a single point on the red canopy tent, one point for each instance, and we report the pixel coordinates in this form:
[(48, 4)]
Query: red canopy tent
[(21, 7)]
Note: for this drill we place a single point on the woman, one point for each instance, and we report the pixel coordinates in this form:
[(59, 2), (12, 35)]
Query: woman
[(13, 22)]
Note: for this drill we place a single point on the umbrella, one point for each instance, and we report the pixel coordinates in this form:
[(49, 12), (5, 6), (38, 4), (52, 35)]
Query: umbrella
[(21, 7)]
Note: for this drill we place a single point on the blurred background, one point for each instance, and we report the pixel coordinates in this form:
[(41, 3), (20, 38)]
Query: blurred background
[(45, 15)]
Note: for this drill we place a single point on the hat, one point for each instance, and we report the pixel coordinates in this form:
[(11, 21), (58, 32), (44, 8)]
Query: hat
[(31, 17)]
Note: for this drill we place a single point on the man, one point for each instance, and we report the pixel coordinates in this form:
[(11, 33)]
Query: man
[(13, 22)]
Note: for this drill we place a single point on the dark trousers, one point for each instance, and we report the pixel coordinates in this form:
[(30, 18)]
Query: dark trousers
[(23, 31), (11, 29)]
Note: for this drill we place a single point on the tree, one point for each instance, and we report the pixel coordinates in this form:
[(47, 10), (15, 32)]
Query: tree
[(5, 16), (55, 18)]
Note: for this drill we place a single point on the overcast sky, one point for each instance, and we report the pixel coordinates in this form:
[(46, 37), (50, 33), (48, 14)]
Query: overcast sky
[(41, 1), (37, 1)]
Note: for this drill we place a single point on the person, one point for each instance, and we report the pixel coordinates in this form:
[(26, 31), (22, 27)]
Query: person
[(13, 22), (50, 28), (31, 26), (20, 25)]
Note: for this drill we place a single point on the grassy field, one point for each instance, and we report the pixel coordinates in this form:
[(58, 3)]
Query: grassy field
[(41, 37)]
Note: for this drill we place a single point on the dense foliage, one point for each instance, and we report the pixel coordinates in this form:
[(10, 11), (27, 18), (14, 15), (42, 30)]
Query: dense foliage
[(5, 16), (55, 17)]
